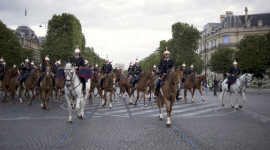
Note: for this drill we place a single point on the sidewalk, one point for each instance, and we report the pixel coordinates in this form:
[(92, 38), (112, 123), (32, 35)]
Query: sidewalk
[(256, 91)]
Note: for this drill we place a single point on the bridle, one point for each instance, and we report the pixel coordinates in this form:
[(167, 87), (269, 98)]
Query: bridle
[(71, 74), (111, 83), (242, 82)]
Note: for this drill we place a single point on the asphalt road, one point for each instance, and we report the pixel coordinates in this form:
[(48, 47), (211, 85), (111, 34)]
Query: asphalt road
[(199, 125)]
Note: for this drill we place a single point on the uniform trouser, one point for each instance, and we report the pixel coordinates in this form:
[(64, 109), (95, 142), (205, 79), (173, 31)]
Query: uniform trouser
[(229, 86), (41, 77), (22, 78), (83, 83), (215, 90), (157, 87)]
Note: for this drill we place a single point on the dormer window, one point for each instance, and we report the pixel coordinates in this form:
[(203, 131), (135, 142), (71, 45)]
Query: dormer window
[(260, 23), (225, 25), (248, 24)]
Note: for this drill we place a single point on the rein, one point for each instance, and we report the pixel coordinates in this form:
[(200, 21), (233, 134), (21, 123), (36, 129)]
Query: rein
[(72, 79)]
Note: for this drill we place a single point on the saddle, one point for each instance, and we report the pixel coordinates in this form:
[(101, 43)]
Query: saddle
[(163, 77)]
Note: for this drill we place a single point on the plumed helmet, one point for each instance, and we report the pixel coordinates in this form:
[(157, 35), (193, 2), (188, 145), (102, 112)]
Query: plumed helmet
[(59, 61), (86, 61), (166, 51), (154, 66), (234, 63), (32, 63), (4, 62), (96, 65), (77, 50), (47, 57), (14, 66), (137, 60), (1, 59), (27, 60), (184, 65), (191, 66)]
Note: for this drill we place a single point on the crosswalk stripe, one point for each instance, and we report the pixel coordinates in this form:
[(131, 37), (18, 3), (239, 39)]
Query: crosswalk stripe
[(200, 112)]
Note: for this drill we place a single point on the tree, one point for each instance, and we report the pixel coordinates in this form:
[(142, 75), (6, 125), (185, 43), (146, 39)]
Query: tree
[(221, 60), (27, 53), (93, 58), (64, 33), (9, 46), (253, 54), (150, 61)]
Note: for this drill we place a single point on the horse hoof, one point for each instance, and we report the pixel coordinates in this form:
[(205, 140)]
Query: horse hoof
[(145, 105), (110, 107), (232, 106), (130, 103), (223, 105), (69, 122), (169, 125), (240, 106), (203, 100), (47, 109), (102, 105), (192, 101), (135, 104), (237, 108), (161, 119)]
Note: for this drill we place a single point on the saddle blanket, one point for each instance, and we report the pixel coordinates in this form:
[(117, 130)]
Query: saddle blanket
[(231, 79), (60, 73), (86, 73)]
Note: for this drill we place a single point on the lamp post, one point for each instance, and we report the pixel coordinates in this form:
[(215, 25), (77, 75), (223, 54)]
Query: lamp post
[(204, 51), (43, 23)]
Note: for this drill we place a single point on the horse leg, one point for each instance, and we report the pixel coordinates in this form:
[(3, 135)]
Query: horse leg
[(231, 100), (33, 96), (185, 95), (168, 112), (191, 92), (138, 95), (236, 105), (114, 96), (69, 109), (171, 104), (160, 108), (144, 93), (90, 98), (28, 96), (244, 99), (20, 95), (48, 100), (112, 92)]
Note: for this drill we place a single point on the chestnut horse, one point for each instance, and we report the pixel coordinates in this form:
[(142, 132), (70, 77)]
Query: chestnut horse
[(59, 86), (108, 86), (142, 85), (168, 93), (121, 85), (189, 84), (94, 84), (152, 86), (46, 88), (10, 83), (30, 84), (198, 84)]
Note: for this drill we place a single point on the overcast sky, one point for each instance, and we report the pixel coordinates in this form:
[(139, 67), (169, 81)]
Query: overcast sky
[(125, 29)]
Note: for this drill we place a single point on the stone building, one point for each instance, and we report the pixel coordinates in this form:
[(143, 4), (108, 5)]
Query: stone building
[(119, 65), (229, 31), (29, 40)]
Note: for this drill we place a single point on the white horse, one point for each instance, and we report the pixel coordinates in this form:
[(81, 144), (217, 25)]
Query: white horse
[(238, 87), (73, 90)]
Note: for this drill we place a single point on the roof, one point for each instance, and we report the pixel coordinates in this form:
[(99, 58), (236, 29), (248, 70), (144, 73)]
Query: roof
[(232, 21), (28, 32), (264, 17)]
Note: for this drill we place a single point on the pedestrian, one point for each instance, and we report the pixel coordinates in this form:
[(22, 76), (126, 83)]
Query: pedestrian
[(206, 88), (215, 86)]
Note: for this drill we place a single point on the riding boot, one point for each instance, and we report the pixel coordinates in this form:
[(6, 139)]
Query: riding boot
[(53, 82), (83, 88), (101, 84), (229, 86)]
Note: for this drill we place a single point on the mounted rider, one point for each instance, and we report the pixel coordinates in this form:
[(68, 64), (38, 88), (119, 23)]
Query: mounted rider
[(2, 68), (164, 66), (191, 69), (115, 69), (55, 67), (136, 71), (96, 68), (105, 70), (78, 62), (46, 61), (233, 75), (155, 70), (185, 72), (24, 71), (32, 66), (87, 64)]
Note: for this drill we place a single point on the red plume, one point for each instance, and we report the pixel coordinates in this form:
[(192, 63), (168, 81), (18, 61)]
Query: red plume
[(43, 61)]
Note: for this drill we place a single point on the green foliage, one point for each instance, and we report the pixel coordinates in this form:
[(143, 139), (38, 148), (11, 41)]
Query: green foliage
[(253, 55), (221, 60), (9, 46), (150, 61), (64, 33), (93, 58), (27, 53)]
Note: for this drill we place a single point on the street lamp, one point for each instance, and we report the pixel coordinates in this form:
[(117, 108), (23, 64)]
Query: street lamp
[(204, 50), (43, 23)]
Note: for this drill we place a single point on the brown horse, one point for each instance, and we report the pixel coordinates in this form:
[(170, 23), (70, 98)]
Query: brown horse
[(142, 85), (129, 89), (30, 83), (46, 87), (10, 83), (152, 86), (198, 84), (108, 86), (94, 84), (189, 84), (59, 86), (121, 85), (118, 74), (168, 93)]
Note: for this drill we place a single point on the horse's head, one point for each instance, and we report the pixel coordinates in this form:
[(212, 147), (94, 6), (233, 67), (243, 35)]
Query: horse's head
[(48, 69), (36, 73), (69, 73), (111, 79), (248, 77), (176, 76), (193, 77)]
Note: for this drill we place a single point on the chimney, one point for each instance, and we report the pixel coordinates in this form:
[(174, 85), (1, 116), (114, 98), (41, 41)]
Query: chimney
[(246, 14), (229, 13), (222, 17)]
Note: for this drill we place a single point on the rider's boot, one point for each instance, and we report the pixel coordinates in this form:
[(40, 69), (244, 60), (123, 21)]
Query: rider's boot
[(229, 86)]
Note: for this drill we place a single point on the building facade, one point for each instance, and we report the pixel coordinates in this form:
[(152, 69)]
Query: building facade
[(227, 33), (29, 40), (119, 65)]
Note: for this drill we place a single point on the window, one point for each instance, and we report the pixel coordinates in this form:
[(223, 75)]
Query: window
[(225, 25), (259, 23), (212, 44), (215, 42), (201, 47), (226, 39)]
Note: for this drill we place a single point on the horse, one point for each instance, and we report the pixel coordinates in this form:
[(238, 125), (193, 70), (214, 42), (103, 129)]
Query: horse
[(198, 84), (152, 86), (93, 85), (118, 74), (59, 86), (238, 87), (121, 85), (142, 85), (168, 93), (46, 88), (73, 90), (30, 83), (108, 86), (10, 83), (129, 90), (189, 84)]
